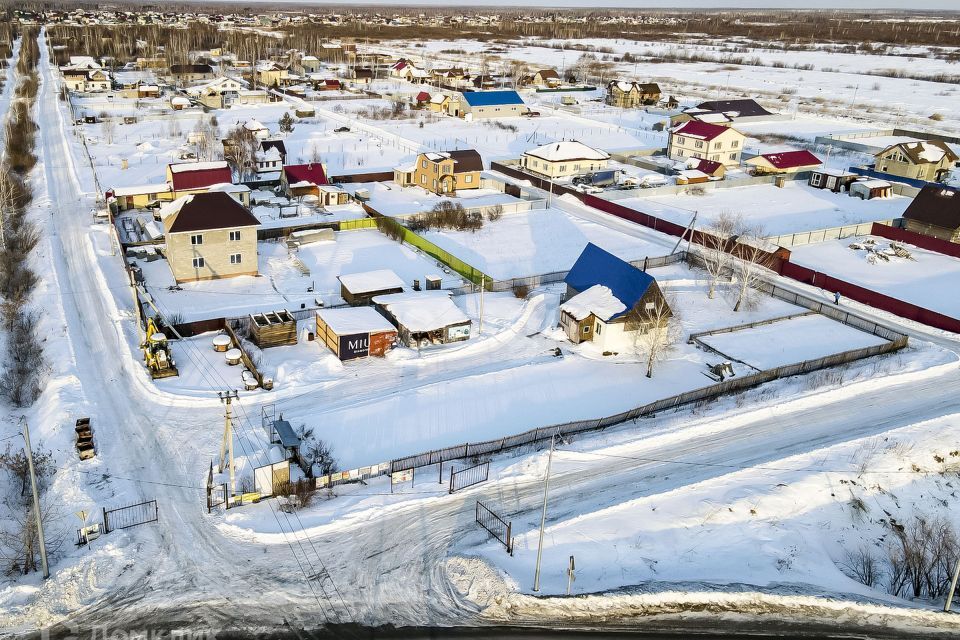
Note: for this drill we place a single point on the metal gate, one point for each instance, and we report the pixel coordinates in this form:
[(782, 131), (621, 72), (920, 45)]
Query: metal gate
[(130, 516), (462, 478), (497, 526)]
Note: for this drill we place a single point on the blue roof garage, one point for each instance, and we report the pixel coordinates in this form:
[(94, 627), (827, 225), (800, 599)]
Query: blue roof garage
[(480, 105)]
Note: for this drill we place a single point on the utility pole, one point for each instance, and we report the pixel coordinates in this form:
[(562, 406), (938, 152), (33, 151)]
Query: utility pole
[(543, 515), (36, 496), (953, 587), (483, 284), (227, 445)]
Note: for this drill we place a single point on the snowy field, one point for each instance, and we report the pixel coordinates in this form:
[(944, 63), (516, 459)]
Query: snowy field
[(391, 199), (282, 284), (928, 280), (536, 242), (789, 341), (794, 208)]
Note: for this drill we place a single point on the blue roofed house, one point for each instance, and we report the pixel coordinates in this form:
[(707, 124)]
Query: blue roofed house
[(609, 301), (479, 105)]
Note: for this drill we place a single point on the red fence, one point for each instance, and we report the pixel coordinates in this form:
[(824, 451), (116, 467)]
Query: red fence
[(870, 297), (916, 239)]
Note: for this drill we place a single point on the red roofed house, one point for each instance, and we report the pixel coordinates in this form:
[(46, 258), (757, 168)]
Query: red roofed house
[(786, 162), (300, 180), (209, 236), (185, 178), (422, 98), (695, 139)]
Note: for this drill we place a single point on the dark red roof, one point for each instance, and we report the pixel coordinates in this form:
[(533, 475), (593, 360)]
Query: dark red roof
[(186, 179), (312, 173), (423, 96), (216, 210), (792, 159), (709, 167), (700, 130), (332, 83)]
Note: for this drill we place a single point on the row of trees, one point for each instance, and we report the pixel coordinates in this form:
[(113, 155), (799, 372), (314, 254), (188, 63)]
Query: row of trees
[(21, 381)]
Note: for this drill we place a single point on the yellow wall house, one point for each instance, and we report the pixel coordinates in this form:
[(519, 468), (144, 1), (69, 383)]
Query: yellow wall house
[(929, 160), (209, 236), (629, 95), (444, 171), (696, 139), (567, 158)]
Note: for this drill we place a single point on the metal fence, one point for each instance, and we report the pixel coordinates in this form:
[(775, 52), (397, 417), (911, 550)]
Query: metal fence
[(130, 516), (463, 478), (497, 526)]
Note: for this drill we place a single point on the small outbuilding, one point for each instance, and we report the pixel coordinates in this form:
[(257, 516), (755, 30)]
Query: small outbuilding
[(935, 212), (355, 332), (425, 317), (273, 328), (836, 180), (359, 289), (871, 188), (786, 162)]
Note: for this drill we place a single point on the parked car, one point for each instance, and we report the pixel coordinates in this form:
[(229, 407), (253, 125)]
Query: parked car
[(341, 130)]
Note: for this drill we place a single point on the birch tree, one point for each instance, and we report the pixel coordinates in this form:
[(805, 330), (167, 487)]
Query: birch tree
[(658, 328), (716, 240), (749, 265)]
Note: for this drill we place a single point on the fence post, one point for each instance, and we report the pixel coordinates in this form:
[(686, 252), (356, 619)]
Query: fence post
[(106, 527), (510, 537)]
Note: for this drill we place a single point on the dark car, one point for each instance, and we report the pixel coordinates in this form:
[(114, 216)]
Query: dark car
[(341, 129)]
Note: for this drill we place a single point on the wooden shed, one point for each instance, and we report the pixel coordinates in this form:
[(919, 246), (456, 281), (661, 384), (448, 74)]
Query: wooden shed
[(360, 288), (273, 329), (355, 332), (425, 317)]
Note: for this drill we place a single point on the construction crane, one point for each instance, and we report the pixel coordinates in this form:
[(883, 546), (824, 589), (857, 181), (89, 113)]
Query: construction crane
[(156, 352)]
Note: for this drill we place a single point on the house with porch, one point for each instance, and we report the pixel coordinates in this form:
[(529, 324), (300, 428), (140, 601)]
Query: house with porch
[(442, 172), (609, 302), (926, 160)]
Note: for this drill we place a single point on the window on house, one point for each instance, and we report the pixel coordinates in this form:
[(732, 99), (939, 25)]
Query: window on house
[(599, 326), (717, 145), (234, 236), (699, 144), (650, 306), (733, 156), (816, 179), (468, 179), (196, 238), (586, 329), (679, 152), (734, 144), (198, 262), (423, 164), (235, 258), (423, 179), (680, 140)]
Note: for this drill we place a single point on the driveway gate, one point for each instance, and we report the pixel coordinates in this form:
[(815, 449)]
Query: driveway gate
[(129, 516)]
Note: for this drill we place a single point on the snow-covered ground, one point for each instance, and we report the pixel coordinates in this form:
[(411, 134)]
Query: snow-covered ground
[(391, 199), (794, 208), (743, 505), (537, 242), (283, 284), (789, 341), (927, 279)]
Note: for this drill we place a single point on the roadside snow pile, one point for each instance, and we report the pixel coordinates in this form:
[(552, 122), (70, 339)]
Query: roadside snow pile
[(878, 251)]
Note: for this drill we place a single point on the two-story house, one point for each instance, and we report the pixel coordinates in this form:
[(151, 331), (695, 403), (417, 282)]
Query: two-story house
[(927, 160), (629, 95), (695, 139), (443, 172), (209, 236)]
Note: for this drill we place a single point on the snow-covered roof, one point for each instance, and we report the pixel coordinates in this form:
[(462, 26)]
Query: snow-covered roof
[(254, 125), (141, 189), (183, 167), (351, 320), (370, 281), (598, 300), (423, 311), (567, 150), (227, 187)]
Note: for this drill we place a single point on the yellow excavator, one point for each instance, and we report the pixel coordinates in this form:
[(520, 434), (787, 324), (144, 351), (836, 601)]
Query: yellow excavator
[(156, 353)]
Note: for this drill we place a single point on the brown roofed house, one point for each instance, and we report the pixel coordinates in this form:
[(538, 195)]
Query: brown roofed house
[(935, 212), (209, 236)]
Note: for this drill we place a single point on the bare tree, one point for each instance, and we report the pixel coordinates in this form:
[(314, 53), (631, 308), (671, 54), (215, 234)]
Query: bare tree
[(863, 566), (20, 540), (205, 138), (240, 150), (716, 240), (751, 261), (108, 127), (656, 325)]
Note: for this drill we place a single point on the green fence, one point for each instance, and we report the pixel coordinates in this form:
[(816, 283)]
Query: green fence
[(394, 229), (362, 223)]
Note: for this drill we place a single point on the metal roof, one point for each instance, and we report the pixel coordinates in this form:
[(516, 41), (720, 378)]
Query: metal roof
[(285, 433), (491, 98), (596, 266)]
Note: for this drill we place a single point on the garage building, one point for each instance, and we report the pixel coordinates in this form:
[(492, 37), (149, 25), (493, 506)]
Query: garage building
[(355, 332)]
